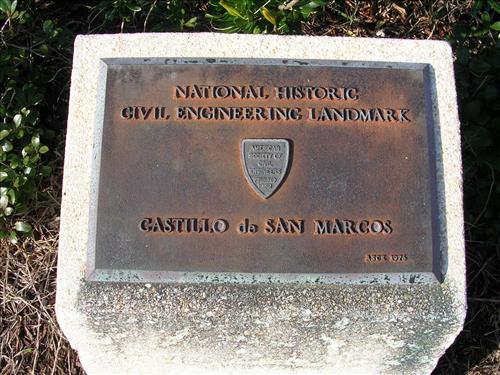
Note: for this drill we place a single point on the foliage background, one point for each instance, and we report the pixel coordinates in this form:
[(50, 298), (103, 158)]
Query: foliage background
[(36, 40)]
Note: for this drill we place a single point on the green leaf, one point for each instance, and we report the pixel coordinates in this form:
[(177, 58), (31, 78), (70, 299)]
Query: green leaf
[(19, 181), (495, 26), (48, 26), (5, 6), (12, 196), (43, 149), (481, 32), (36, 99), (35, 141), (494, 5), (45, 171), (315, 4), (7, 146), (4, 202), (191, 22), (477, 5), (231, 10), (13, 237), (3, 134), (44, 49), (134, 8), (8, 211), (26, 151), (22, 226), (18, 119), (3, 176), (268, 16), (14, 162)]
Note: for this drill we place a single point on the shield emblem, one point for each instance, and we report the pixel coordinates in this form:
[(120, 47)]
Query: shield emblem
[(265, 163)]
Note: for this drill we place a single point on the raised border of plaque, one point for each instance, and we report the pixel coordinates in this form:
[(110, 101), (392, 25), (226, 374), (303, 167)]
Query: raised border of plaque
[(432, 271)]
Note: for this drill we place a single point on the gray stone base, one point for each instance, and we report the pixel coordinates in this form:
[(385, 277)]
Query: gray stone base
[(227, 329)]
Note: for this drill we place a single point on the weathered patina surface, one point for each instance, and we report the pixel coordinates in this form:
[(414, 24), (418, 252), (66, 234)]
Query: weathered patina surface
[(179, 192)]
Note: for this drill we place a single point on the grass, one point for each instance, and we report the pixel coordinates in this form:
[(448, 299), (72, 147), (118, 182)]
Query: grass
[(30, 339)]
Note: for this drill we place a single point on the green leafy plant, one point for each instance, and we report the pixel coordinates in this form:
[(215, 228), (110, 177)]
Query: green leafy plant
[(23, 86), (145, 15), (483, 32), (261, 16)]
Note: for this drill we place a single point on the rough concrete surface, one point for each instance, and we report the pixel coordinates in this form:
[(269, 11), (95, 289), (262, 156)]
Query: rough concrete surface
[(182, 328)]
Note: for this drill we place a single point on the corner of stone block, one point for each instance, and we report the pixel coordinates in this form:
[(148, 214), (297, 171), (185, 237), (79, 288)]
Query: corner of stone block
[(443, 49), (80, 40)]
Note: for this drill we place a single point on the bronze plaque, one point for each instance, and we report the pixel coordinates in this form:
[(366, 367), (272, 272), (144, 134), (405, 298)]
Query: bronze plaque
[(220, 170)]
